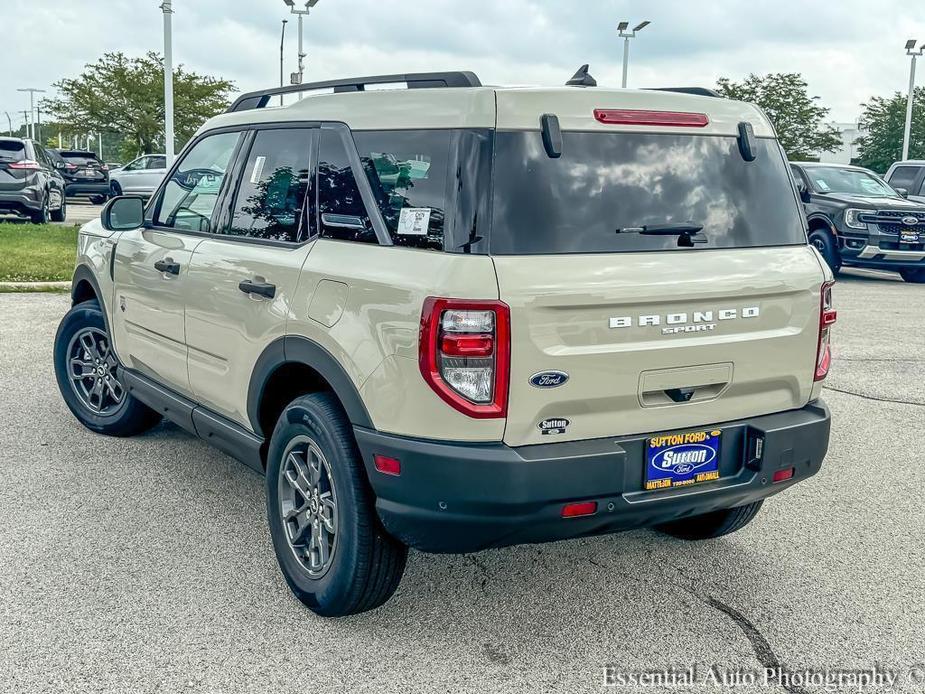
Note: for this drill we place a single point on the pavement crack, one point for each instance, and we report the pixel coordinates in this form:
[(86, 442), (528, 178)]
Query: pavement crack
[(477, 563), (875, 398)]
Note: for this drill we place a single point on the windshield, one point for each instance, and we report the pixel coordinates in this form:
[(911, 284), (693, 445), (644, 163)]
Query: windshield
[(831, 179), (607, 187)]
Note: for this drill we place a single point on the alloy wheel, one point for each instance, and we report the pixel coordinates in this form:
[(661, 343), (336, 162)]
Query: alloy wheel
[(93, 371), (308, 505)]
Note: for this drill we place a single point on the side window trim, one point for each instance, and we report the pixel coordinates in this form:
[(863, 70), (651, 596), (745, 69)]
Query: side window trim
[(224, 207), (366, 191)]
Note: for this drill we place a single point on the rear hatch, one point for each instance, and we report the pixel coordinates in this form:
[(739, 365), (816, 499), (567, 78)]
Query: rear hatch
[(619, 332), (83, 167), (12, 156)]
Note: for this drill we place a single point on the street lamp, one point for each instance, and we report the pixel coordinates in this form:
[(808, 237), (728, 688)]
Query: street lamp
[(910, 50), (297, 76), (626, 36), (167, 8), (282, 40), (30, 124)]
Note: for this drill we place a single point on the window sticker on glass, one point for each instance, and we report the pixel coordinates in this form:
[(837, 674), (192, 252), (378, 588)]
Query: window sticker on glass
[(259, 163), (822, 185), (413, 221)]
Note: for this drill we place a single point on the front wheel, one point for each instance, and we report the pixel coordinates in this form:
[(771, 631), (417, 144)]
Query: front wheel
[(711, 525), (115, 190), (60, 214), (97, 199), (914, 276), (827, 247), (89, 376), (333, 552)]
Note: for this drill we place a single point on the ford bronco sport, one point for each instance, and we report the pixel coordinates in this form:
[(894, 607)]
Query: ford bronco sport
[(455, 317)]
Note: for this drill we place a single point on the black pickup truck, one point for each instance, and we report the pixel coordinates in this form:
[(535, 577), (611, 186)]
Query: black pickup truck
[(856, 219)]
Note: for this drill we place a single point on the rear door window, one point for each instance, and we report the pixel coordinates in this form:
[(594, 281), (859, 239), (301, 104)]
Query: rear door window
[(156, 162), (274, 183), (407, 171), (341, 212), (607, 187), (903, 177)]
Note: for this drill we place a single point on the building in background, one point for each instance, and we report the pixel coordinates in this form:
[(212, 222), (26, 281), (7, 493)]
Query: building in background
[(849, 132)]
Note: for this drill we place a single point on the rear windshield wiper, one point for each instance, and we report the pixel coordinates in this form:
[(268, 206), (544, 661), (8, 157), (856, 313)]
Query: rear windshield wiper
[(685, 231)]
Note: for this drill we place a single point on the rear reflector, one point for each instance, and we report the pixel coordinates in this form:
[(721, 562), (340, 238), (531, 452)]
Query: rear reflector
[(387, 465), (583, 508), (463, 345), (783, 475), (625, 116)]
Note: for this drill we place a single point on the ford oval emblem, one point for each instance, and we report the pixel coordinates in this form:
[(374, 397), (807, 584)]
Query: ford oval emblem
[(910, 221), (548, 379)]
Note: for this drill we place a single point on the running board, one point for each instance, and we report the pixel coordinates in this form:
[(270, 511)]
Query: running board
[(213, 428)]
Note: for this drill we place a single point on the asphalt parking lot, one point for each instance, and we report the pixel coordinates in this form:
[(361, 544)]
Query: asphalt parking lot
[(145, 564)]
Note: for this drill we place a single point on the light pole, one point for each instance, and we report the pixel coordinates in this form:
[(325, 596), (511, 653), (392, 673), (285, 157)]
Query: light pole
[(626, 36), (297, 76), (910, 50), (9, 122), (167, 8), (282, 40), (30, 125)]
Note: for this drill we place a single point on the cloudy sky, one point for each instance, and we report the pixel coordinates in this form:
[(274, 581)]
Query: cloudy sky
[(848, 50)]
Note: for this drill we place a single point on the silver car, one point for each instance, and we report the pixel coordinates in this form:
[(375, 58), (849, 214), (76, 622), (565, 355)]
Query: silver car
[(139, 177)]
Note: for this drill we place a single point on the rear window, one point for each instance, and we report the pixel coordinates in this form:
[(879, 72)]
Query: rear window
[(606, 186), (79, 158), (12, 151), (903, 177)]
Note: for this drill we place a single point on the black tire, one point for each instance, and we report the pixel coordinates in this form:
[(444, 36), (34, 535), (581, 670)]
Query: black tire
[(125, 417), (43, 214), (98, 199), (115, 190), (826, 245), (715, 524), (364, 564), (914, 276), (60, 214)]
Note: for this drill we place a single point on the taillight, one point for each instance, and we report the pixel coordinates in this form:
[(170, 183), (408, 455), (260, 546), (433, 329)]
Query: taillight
[(627, 116), (827, 317), (465, 354), (70, 167), (25, 165)]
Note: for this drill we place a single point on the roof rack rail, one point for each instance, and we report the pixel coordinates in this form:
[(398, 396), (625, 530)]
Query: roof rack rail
[(415, 80), (696, 91)]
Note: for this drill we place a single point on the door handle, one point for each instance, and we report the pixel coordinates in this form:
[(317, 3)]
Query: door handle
[(260, 288), (168, 266)]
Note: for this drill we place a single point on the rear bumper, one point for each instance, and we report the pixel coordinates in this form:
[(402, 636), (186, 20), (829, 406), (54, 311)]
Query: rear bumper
[(91, 188), (20, 202), (462, 497)]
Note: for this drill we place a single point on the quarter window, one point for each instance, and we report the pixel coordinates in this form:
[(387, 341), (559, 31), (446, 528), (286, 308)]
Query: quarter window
[(191, 192), (341, 212), (407, 171), (274, 182)]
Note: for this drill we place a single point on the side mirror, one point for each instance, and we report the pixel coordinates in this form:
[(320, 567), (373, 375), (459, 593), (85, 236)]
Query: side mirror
[(124, 213), (342, 221), (903, 192), (803, 191), (59, 164)]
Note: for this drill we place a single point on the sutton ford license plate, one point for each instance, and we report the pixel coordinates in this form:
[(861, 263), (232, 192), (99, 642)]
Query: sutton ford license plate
[(680, 460)]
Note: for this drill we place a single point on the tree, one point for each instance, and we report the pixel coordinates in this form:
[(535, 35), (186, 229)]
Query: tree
[(797, 118), (884, 120), (126, 95)]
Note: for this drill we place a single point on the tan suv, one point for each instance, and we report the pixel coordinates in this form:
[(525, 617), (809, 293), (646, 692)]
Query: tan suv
[(456, 317)]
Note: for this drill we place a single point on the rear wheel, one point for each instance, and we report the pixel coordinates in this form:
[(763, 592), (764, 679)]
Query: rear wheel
[(825, 243), (914, 276), (332, 550), (715, 524), (43, 214), (89, 376)]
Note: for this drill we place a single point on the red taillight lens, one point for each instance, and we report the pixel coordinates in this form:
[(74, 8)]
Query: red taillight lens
[(784, 475), (387, 465), (25, 165), (70, 167), (626, 116), (584, 508), (465, 354), (827, 318)]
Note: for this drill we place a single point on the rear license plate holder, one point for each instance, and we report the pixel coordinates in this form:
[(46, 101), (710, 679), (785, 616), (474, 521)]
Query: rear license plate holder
[(682, 459)]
